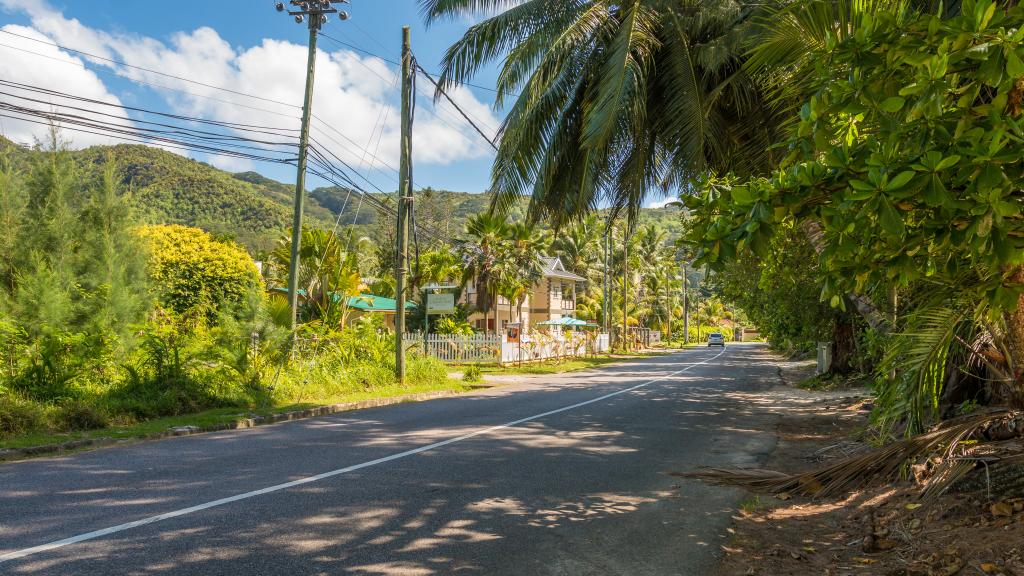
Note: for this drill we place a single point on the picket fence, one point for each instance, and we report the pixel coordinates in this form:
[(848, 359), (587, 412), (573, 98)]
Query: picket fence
[(457, 348), (487, 348)]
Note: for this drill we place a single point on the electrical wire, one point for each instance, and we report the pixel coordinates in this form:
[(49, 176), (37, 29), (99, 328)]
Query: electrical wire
[(435, 113), (391, 60), (457, 107), (150, 70), (79, 64)]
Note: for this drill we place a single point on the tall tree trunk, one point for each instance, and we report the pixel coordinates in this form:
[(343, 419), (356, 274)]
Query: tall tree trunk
[(1014, 390), (844, 345), (871, 314)]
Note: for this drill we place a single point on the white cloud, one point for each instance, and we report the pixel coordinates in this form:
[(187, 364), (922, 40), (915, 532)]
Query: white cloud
[(52, 69), (357, 96)]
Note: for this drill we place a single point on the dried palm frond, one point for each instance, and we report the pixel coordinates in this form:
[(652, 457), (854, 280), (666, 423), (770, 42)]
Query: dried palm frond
[(882, 464)]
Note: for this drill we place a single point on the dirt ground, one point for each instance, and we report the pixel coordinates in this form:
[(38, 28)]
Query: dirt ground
[(880, 530)]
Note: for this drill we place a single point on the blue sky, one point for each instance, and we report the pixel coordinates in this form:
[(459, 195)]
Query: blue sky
[(249, 47)]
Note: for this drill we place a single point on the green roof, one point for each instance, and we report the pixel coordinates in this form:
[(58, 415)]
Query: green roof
[(374, 303), (365, 302)]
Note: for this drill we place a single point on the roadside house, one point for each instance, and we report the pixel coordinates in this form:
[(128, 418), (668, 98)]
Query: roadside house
[(552, 298)]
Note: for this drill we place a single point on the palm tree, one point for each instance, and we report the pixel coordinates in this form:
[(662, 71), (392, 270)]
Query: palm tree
[(616, 98), (579, 248), (328, 272), (518, 264), (439, 266), (485, 233)]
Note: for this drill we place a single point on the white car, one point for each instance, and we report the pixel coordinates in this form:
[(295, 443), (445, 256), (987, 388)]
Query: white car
[(716, 339)]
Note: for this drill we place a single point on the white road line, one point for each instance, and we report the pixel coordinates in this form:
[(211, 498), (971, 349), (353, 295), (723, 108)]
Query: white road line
[(308, 479)]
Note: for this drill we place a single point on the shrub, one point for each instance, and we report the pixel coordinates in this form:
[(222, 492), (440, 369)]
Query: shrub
[(472, 374), (83, 415), (18, 416), (423, 370), (197, 274), (449, 325)]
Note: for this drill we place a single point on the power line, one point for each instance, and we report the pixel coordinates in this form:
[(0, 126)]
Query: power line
[(150, 70), (272, 131), (434, 113), (395, 62), (145, 83), (457, 107)]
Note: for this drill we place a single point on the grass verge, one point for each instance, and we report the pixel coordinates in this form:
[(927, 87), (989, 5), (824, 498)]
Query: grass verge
[(218, 416)]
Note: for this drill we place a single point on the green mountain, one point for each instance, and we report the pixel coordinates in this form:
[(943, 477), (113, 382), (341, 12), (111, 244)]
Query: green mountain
[(256, 210)]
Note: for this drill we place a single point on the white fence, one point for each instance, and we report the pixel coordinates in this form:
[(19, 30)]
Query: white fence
[(458, 348), (533, 346)]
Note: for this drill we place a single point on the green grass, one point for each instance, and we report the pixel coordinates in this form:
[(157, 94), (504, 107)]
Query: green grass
[(751, 504), (210, 418)]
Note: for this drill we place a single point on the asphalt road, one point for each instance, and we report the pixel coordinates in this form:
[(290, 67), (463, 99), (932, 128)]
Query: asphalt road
[(553, 475)]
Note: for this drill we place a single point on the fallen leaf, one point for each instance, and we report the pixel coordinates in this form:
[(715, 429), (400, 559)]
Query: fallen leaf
[(913, 506), (1001, 509), (989, 568), (861, 560), (783, 496), (885, 544)]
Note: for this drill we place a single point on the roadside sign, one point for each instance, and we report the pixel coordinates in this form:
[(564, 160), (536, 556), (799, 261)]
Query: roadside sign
[(440, 303)]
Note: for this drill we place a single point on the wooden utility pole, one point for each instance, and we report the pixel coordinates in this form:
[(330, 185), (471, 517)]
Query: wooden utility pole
[(404, 204), (606, 293), (314, 13), (625, 287), (686, 309)]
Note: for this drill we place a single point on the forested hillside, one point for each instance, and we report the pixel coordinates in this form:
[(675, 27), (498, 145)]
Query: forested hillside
[(256, 210)]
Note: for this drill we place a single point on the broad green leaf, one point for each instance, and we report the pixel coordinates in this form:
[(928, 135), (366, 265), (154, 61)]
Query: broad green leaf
[(892, 104), (935, 193), (947, 162), (862, 185), (900, 180), (890, 219), (743, 195), (1014, 67)]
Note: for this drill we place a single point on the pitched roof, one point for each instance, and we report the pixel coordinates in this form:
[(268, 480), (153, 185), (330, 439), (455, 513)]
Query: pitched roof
[(553, 268), (374, 303), (366, 302)]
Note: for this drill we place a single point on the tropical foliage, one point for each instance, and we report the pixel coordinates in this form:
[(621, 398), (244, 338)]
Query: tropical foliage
[(104, 321), (196, 275), (610, 100)]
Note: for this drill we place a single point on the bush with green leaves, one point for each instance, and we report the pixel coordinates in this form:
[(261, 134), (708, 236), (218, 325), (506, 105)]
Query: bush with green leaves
[(196, 274), (472, 374), (904, 167), (83, 345)]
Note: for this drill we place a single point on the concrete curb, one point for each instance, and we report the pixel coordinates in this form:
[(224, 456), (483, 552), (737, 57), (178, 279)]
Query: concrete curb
[(240, 424)]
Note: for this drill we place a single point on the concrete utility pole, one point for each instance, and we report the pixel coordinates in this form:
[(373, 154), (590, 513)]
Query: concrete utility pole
[(314, 13), (404, 203)]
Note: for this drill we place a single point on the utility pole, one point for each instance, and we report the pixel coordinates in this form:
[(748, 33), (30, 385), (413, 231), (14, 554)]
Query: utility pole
[(606, 305), (404, 204), (314, 13), (625, 285), (686, 310)]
